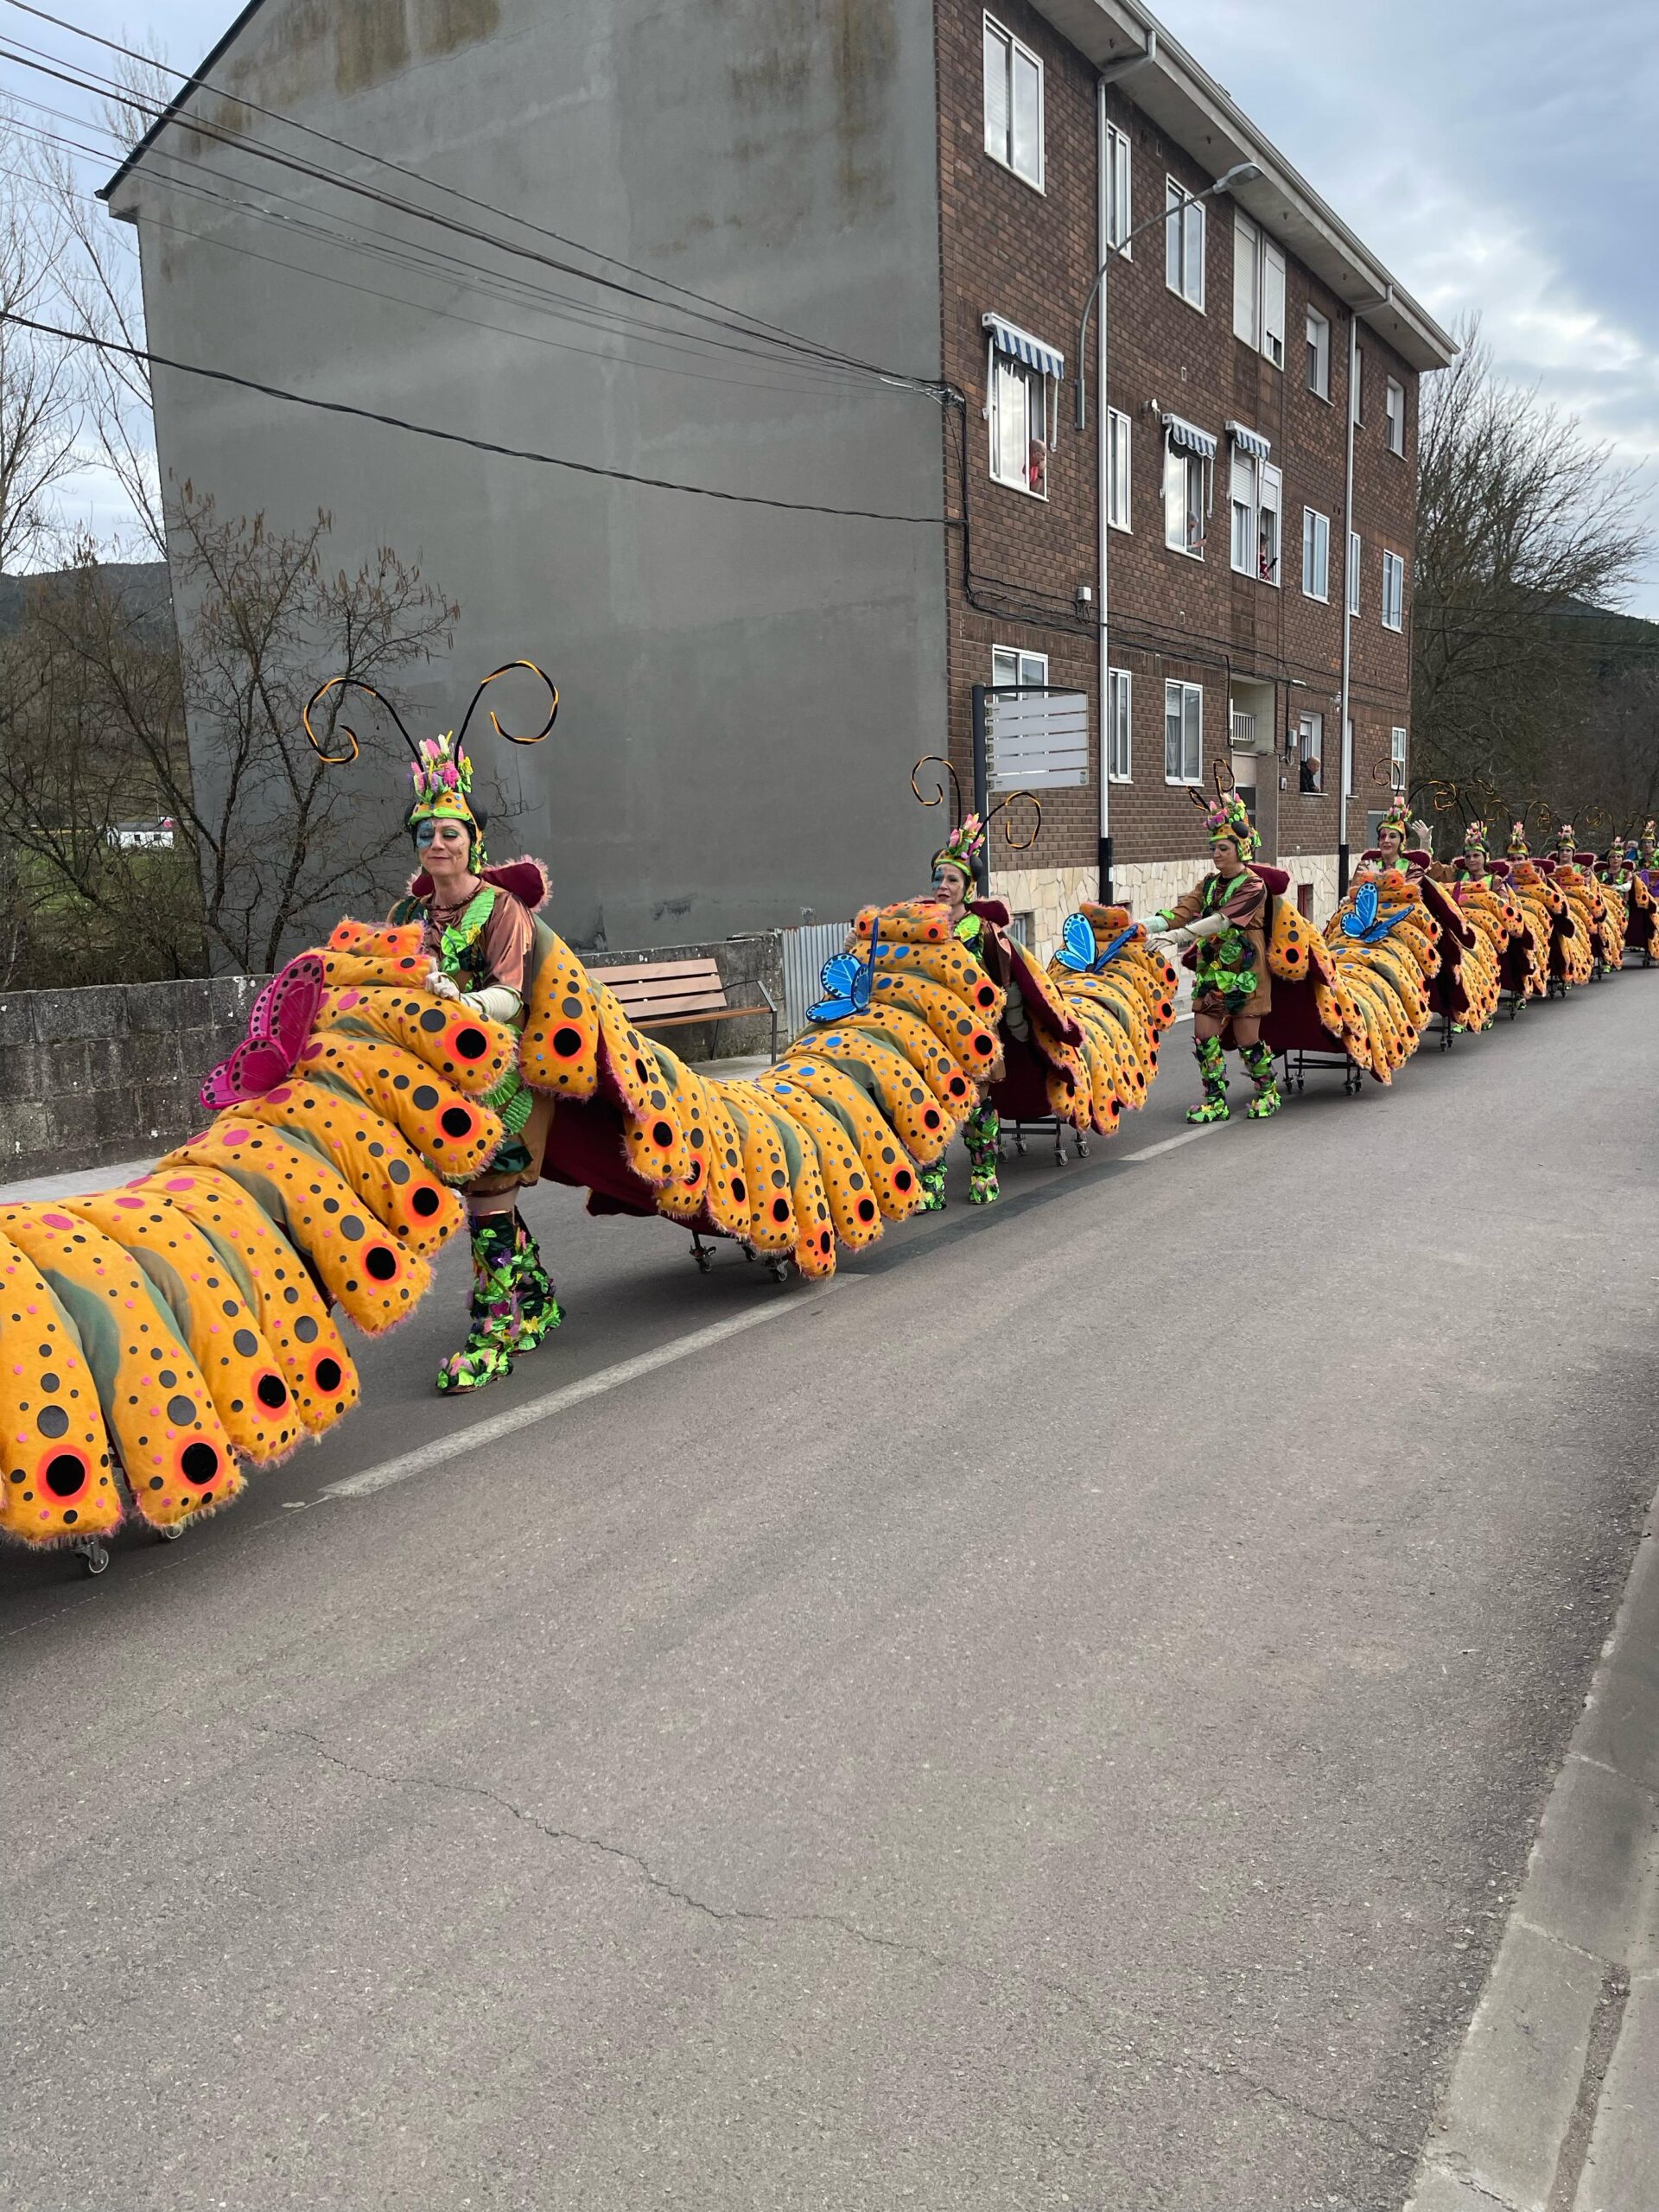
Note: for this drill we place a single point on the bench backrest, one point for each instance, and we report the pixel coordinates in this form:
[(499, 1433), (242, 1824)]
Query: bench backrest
[(654, 988)]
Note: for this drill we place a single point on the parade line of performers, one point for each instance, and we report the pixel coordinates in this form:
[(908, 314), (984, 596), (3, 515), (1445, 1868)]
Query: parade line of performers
[(406, 1081)]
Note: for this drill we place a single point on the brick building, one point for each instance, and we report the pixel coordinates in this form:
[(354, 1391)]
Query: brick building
[(804, 240), (1262, 372)]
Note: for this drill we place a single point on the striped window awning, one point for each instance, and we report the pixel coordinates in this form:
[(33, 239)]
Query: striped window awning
[(1251, 441), (1180, 432), (1008, 338)]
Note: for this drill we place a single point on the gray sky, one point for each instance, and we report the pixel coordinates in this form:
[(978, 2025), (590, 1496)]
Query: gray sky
[(1497, 155)]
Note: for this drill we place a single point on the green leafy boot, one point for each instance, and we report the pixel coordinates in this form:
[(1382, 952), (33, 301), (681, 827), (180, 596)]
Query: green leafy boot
[(1259, 1065), (486, 1356), (540, 1310), (1212, 1073), (932, 1182), (983, 1134)]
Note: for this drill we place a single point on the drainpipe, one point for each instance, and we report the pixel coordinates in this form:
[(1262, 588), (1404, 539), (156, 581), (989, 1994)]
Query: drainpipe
[(1380, 300), (1112, 75)]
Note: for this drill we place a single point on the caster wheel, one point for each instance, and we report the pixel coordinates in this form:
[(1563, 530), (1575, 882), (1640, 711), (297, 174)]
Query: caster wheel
[(779, 1270), (1082, 1147), (170, 1535), (704, 1260), (1020, 1146), (94, 1557)]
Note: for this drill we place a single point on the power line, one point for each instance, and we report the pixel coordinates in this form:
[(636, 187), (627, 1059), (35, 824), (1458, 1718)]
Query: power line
[(459, 437), (88, 80)]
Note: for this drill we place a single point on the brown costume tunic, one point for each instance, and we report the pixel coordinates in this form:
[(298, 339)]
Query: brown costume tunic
[(1246, 907)]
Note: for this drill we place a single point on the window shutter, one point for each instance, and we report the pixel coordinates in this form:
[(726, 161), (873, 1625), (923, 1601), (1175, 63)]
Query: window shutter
[(1272, 304), (1027, 134), (1244, 279), (996, 93)]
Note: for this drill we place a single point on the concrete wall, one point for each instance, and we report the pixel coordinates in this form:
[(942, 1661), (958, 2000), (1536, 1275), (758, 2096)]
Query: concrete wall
[(112, 1072), (744, 690)]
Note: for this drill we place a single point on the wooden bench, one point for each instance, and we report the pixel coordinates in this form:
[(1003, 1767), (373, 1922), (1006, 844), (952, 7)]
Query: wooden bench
[(677, 994)]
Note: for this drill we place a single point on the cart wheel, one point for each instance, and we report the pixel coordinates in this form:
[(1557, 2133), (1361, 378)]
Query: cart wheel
[(1019, 1142), (777, 1267), (94, 1556), (703, 1256), (1059, 1151), (748, 1252), (171, 1534), (1083, 1146)]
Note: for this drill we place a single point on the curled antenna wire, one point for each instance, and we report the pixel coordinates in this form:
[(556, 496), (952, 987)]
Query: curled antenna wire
[(350, 684)]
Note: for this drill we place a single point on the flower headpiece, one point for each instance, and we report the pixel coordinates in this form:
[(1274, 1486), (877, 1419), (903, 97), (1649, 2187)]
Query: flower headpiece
[(1226, 814), (1517, 848), (1474, 839), (963, 847), (1398, 818), (1567, 840), (1649, 832)]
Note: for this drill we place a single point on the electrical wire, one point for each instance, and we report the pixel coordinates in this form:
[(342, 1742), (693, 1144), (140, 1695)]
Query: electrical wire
[(460, 437)]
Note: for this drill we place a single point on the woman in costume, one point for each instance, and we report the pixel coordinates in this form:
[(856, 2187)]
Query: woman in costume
[(1223, 918), (1647, 847), (1517, 848), (1393, 849), (955, 880), (480, 936)]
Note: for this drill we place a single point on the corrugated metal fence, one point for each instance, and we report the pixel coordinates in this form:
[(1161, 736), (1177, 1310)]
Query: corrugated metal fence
[(805, 950)]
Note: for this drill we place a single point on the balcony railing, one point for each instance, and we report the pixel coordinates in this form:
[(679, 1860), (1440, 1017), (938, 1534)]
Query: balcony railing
[(1243, 731)]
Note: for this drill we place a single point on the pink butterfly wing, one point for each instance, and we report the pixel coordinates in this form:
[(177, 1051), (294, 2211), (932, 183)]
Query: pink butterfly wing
[(277, 1027), (295, 996)]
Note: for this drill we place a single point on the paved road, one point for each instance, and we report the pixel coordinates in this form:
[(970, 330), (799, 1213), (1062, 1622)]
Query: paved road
[(1057, 1719)]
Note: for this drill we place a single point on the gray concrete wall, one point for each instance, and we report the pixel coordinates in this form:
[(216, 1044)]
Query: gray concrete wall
[(744, 690), (111, 1072)]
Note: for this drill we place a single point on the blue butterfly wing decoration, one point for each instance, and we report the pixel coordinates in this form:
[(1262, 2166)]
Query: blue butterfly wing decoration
[(1367, 924), (1115, 947), (846, 982), (1077, 946)]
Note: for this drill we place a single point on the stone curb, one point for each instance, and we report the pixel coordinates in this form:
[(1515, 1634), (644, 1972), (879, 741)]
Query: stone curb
[(1551, 2106)]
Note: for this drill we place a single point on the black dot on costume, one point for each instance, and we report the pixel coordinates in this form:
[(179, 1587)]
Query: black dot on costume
[(66, 1474), (199, 1463), (425, 1097), (931, 1120), (328, 1377), (572, 1007), (739, 1192), (472, 1044), (397, 1170), (781, 1209), (306, 1329), (695, 1139), (902, 1180), (866, 1209), (350, 1227), (431, 1020), (246, 1343), (379, 1264), (661, 1135), (52, 1420), (455, 1122), (566, 1043), (180, 1410), (290, 1296), (272, 1392), (425, 1203)]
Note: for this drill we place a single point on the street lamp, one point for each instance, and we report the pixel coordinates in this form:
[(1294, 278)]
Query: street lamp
[(1241, 173)]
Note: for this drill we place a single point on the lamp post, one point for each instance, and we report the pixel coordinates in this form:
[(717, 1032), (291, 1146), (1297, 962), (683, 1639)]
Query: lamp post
[(1241, 173)]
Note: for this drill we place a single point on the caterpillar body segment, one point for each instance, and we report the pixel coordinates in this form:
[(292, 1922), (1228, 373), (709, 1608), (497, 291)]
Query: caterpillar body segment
[(454, 1134), (389, 1177), (854, 1210), (560, 1049), (57, 1477), (472, 1054)]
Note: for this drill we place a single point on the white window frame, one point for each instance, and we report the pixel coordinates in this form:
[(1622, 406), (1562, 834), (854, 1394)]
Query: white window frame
[(1394, 591), (1119, 220), (1259, 286), (1187, 700), (1120, 726), (1356, 562), (1013, 664), (1245, 514), (1184, 241), (1270, 569), (1316, 533), (1194, 496), (1395, 412), (1310, 746), (1398, 740), (1119, 510), (1007, 374), (1002, 127), (1318, 357)]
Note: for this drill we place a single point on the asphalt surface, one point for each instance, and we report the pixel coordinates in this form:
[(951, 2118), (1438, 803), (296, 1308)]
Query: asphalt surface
[(1056, 1720)]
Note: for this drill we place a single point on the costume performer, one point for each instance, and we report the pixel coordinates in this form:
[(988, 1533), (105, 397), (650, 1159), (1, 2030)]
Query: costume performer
[(1517, 848), (1393, 849), (1223, 920), (1646, 856), (955, 879), (479, 939)]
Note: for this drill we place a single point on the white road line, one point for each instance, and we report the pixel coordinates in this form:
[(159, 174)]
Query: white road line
[(1168, 1144), (480, 1434)]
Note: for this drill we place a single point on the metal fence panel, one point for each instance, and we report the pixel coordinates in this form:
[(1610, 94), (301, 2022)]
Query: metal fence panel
[(805, 950)]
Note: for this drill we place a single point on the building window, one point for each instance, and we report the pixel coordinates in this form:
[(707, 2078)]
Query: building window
[(1316, 554), (1118, 222), (1394, 592), (1120, 722), (1018, 425), (1354, 556), (1117, 469), (1318, 354), (1013, 104), (1184, 243), (1183, 733), (1010, 665), (1258, 290), (1310, 753), (1305, 901), (1269, 529), (1396, 412), (1246, 507), (1397, 759), (1186, 499)]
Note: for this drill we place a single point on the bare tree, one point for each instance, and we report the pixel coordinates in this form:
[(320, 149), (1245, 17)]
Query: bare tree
[(1524, 523), (105, 720), (40, 389)]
